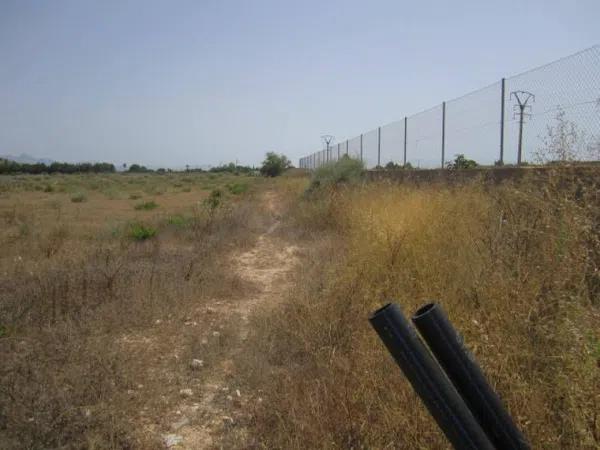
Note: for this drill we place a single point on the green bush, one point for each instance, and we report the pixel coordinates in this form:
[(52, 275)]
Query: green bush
[(146, 206), (461, 162), (345, 170), (136, 168), (394, 166), (213, 201), (141, 232), (274, 165), (78, 197), (178, 221), (237, 188)]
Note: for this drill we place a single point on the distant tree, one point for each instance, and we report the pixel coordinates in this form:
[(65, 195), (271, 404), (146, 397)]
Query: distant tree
[(461, 162), (138, 168), (232, 168), (274, 164)]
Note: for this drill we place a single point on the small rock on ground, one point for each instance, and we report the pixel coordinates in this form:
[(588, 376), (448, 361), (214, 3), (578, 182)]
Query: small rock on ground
[(171, 440), (180, 423), (186, 392)]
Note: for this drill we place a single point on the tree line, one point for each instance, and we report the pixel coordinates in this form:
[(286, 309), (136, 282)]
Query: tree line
[(13, 167)]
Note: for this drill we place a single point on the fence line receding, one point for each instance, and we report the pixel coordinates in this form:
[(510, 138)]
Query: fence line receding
[(560, 121)]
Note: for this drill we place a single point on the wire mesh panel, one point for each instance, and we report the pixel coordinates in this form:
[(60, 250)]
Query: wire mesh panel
[(339, 151), (562, 117), (392, 143), (473, 125), (424, 138), (559, 104), (370, 149), (354, 148)]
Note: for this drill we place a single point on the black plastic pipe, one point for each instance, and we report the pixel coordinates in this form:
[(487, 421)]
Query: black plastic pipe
[(464, 372), (427, 379)]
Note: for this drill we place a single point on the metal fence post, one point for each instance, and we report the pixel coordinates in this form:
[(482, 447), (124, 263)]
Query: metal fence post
[(503, 94), (379, 147), (443, 132), (405, 129), (361, 148), (338, 151), (346, 146)]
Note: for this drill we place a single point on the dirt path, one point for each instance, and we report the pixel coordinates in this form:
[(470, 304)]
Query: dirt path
[(219, 415)]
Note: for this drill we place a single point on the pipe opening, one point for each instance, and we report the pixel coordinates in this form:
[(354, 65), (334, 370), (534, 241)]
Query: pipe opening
[(380, 311), (424, 310)]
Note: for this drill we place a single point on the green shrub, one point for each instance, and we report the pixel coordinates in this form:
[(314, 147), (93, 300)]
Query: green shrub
[(112, 193), (345, 170), (213, 201), (146, 206), (141, 232), (78, 197), (394, 166), (274, 165), (237, 188), (178, 220), (461, 162)]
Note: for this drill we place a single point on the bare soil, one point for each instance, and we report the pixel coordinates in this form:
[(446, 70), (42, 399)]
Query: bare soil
[(208, 405)]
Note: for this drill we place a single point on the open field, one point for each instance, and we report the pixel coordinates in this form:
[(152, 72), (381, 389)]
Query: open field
[(100, 298), (241, 322)]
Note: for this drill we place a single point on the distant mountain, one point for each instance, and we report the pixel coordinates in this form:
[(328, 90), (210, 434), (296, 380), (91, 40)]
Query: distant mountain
[(24, 158)]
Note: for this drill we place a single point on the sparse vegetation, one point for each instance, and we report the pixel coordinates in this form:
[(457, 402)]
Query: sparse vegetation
[(101, 312), (237, 188), (141, 232), (146, 206), (345, 170), (78, 197), (563, 142), (81, 290)]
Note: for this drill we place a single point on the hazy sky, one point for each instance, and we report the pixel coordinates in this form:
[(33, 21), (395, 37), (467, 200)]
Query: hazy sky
[(202, 82)]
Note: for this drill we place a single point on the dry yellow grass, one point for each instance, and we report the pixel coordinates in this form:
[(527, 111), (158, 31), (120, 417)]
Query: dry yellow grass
[(90, 318), (515, 267)]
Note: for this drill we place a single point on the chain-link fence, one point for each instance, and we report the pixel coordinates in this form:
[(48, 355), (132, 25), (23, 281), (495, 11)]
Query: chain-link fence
[(548, 114)]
